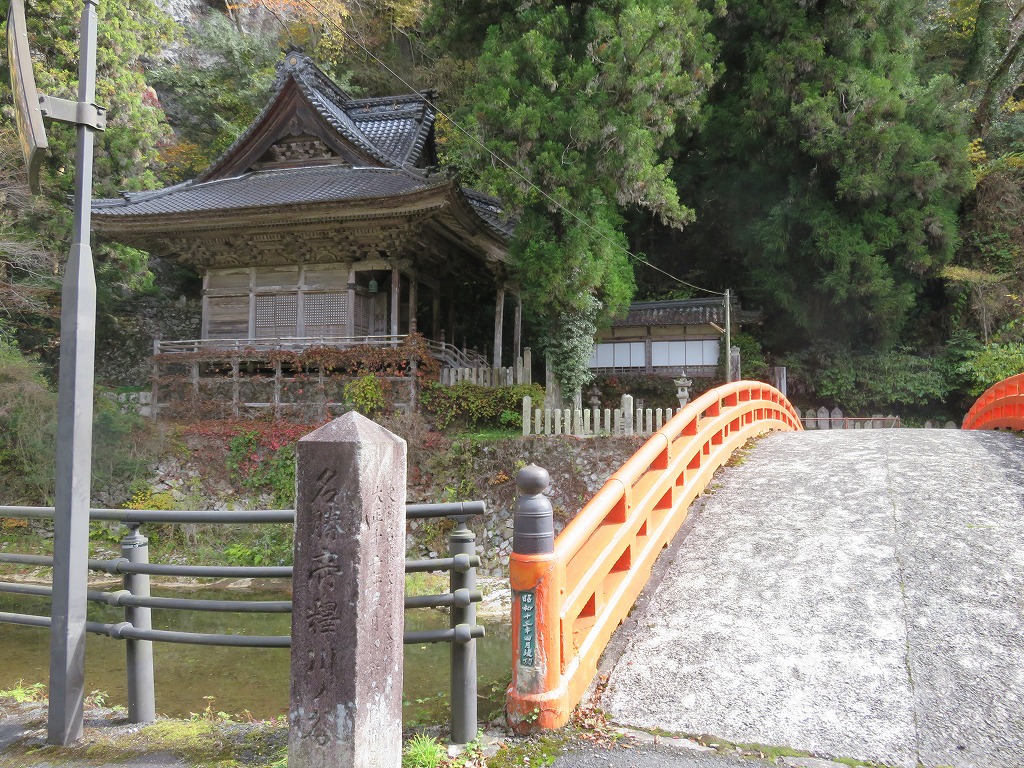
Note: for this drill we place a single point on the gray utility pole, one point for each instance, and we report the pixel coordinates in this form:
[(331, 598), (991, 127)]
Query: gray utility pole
[(77, 353), (728, 336), (74, 412)]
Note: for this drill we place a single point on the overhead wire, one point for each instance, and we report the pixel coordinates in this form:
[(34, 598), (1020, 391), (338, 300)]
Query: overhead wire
[(519, 174)]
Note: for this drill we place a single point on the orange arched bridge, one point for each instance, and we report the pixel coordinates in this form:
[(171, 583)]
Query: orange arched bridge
[(852, 594)]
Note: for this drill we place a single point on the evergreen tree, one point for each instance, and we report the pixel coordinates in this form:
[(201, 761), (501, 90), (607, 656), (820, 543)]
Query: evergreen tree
[(579, 97), (131, 33), (829, 170)]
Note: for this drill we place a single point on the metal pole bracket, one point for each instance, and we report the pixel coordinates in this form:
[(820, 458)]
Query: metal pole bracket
[(74, 112)]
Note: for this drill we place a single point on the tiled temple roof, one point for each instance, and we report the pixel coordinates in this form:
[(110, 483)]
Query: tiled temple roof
[(285, 186), (489, 209), (682, 312), (394, 131)]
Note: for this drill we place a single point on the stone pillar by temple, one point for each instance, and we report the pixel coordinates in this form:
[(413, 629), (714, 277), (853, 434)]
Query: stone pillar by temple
[(348, 598), (499, 321)]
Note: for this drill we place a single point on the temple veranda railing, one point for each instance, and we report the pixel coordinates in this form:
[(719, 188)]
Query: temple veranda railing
[(298, 376), (448, 354)]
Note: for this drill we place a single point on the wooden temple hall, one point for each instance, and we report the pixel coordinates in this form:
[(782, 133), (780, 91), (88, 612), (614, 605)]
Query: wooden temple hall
[(326, 224)]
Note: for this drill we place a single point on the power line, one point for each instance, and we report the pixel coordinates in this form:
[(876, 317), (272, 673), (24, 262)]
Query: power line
[(476, 140)]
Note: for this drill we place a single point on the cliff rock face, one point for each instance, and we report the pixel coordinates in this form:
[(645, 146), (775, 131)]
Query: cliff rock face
[(189, 12), (184, 12)]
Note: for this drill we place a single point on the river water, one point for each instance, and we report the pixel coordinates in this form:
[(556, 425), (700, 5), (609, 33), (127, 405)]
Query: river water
[(191, 678)]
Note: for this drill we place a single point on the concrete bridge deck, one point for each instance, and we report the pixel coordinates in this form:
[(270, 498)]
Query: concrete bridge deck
[(851, 593)]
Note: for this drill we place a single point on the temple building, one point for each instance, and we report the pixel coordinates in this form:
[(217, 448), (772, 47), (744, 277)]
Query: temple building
[(327, 224), (668, 338)]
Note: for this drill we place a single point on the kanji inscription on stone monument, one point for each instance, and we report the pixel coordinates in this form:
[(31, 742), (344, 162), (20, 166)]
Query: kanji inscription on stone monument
[(348, 595)]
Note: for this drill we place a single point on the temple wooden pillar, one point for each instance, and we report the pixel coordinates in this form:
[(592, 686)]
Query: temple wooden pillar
[(435, 314), (412, 303), (396, 298), (517, 330), (350, 310), (499, 322)]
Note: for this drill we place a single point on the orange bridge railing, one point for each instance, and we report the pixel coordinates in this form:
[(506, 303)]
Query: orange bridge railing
[(568, 602), (1001, 406)]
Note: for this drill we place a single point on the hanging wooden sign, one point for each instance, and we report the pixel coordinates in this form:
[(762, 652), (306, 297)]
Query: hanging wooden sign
[(31, 131)]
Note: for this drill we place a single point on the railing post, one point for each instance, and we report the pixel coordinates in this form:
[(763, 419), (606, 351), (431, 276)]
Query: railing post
[(141, 689), (627, 413), (537, 697), (462, 541), (348, 589)]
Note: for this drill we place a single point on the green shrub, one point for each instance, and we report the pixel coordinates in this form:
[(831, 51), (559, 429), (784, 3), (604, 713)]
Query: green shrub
[(119, 453), (263, 465), (21, 692), (273, 545), (28, 429), (753, 365), (366, 394), (511, 419), (656, 391), (28, 434), (422, 751), (473, 405), (865, 382), (993, 363), (278, 474)]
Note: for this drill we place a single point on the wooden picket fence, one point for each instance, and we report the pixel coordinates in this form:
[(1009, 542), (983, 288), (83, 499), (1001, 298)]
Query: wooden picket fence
[(823, 418), (589, 422), (508, 376)]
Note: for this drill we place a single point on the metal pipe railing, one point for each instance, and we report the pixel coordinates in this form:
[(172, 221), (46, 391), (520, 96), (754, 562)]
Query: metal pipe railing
[(137, 602), (138, 650), (412, 512), (123, 598), (28, 620), (462, 544)]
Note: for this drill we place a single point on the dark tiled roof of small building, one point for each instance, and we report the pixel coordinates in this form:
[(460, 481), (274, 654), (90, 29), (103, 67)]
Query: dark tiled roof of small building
[(682, 312), (269, 188)]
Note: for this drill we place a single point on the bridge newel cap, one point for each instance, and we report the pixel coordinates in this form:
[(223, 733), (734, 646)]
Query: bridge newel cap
[(532, 480)]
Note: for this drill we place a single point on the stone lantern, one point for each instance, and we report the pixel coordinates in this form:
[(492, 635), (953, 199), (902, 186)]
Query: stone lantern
[(682, 389)]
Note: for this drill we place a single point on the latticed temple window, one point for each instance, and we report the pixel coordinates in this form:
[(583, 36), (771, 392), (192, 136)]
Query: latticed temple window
[(325, 314), (276, 316)]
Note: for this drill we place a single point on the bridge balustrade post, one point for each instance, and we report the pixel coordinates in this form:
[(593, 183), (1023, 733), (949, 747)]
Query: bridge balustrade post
[(139, 653), (462, 541), (348, 598), (536, 698)]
